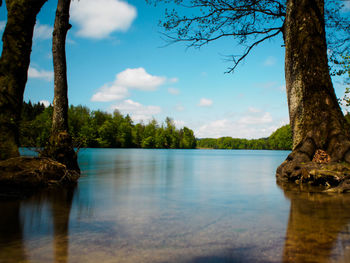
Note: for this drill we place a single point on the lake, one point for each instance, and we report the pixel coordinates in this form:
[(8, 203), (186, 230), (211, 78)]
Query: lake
[(139, 205)]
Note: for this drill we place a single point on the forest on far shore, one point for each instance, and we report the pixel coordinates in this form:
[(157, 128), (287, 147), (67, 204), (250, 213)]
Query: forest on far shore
[(101, 129), (281, 139)]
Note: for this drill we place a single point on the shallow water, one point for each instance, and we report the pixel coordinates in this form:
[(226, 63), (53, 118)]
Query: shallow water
[(137, 205)]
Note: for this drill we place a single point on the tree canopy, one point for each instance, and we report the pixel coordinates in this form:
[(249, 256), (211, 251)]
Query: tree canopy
[(102, 129), (281, 139)]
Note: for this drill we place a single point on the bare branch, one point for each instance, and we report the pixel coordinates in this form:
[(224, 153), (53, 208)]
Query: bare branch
[(247, 51)]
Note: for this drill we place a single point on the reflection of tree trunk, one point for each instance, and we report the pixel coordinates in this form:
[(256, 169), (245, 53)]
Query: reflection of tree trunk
[(11, 236), (315, 222), (61, 207), (60, 147), (14, 63)]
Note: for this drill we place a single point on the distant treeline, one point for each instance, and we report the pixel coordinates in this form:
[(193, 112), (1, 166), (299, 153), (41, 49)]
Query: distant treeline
[(281, 139), (102, 129)]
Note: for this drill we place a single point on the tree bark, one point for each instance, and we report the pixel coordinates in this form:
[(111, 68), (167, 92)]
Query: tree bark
[(14, 64), (316, 119), (60, 102), (60, 147)]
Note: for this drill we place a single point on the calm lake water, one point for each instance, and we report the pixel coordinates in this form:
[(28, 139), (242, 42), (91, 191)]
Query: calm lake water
[(137, 205)]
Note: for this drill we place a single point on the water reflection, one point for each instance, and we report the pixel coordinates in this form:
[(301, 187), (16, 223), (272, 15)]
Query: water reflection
[(44, 214), (318, 227), (61, 201), (11, 236), (176, 206)]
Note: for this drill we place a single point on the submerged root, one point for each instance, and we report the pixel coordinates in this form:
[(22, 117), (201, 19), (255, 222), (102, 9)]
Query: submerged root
[(308, 166), (25, 174), (60, 148)]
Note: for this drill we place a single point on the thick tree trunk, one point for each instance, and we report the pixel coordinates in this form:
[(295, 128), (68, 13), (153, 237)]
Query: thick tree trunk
[(14, 63), (315, 116), (60, 147)]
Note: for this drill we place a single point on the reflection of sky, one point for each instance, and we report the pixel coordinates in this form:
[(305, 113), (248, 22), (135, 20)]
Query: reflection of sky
[(181, 197), (138, 205)]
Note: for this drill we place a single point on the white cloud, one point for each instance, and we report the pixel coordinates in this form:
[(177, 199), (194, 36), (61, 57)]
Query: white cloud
[(205, 102), (270, 61), (137, 111), (253, 110), (45, 102), (173, 91), (110, 92), (136, 78), (179, 124), (42, 31), (40, 74), (256, 117), (254, 123), (98, 19)]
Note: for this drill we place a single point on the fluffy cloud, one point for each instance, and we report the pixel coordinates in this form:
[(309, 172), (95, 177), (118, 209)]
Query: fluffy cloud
[(42, 31), (40, 74), (137, 111), (110, 92), (254, 123), (205, 102), (98, 19), (45, 102), (136, 78), (255, 117)]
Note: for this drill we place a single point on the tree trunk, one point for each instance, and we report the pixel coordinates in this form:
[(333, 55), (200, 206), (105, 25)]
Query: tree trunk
[(315, 116), (14, 63), (60, 102), (60, 147)]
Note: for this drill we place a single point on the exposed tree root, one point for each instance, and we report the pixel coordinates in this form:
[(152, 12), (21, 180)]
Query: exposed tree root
[(307, 165), (60, 148), (21, 176)]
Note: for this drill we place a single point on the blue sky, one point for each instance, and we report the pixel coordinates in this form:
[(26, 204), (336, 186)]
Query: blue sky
[(117, 60)]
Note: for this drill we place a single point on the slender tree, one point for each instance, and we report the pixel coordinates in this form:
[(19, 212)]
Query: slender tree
[(14, 64), (315, 116), (60, 146)]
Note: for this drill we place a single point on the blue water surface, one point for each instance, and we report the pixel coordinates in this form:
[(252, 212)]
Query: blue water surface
[(145, 205)]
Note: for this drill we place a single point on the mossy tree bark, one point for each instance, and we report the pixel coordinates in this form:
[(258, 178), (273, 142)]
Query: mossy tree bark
[(315, 116), (60, 147), (14, 64)]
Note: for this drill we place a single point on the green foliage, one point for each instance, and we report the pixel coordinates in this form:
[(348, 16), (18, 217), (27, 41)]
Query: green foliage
[(346, 70), (101, 129), (35, 126), (281, 139)]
